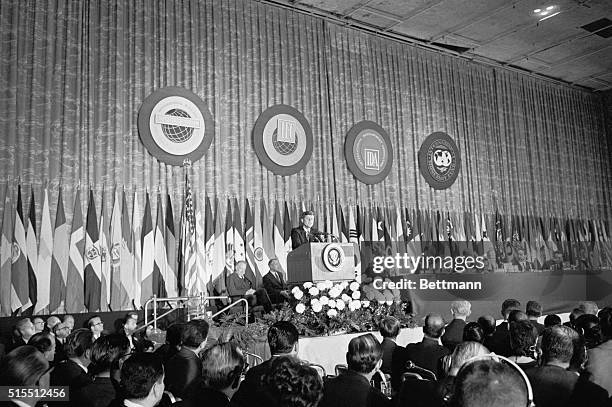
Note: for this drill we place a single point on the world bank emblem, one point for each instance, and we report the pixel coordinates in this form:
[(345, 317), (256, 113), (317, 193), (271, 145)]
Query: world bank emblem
[(174, 124), (333, 257), (439, 160), (368, 152), (282, 139)]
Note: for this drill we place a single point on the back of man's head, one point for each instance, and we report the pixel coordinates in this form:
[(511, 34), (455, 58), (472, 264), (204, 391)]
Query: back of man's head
[(588, 307), (605, 321), (23, 366), (140, 374), (533, 309), (487, 322), (389, 327), (489, 383), (106, 352), (78, 343), (292, 383), (552, 320), (517, 315), (222, 366), (509, 305), (193, 335), (282, 337), (461, 308), (558, 344), (434, 326), (363, 354)]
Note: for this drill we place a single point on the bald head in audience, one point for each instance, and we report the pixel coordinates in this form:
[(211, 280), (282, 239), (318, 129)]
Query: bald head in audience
[(434, 326)]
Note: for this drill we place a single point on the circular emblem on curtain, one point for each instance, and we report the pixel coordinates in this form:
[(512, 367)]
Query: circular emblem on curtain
[(439, 160), (368, 152), (174, 124), (282, 138), (333, 257)]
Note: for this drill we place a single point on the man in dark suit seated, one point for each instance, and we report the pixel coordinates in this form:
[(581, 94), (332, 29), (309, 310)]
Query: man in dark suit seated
[(184, 368), (283, 341), (73, 372), (305, 232), (534, 311), (352, 388), (425, 354), (599, 365), (142, 381), (453, 333), (24, 329), (521, 261), (239, 285), (389, 329), (500, 341), (24, 366), (275, 284)]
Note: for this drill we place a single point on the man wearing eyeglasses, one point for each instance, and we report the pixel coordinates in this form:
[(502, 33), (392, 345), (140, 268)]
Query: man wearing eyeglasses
[(96, 326)]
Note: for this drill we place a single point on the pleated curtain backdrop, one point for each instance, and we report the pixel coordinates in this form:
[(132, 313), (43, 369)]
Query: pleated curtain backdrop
[(74, 73)]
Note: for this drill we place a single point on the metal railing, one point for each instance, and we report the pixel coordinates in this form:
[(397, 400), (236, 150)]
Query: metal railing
[(155, 300)]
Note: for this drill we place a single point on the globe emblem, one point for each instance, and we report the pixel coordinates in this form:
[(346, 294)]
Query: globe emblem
[(283, 147), (177, 134)]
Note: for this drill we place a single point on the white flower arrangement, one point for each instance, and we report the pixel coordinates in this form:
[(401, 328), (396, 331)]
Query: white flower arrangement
[(354, 286), (324, 300), (332, 313), (356, 295), (346, 298), (300, 308), (321, 286), (314, 291), (307, 285), (331, 304), (298, 294), (340, 305)]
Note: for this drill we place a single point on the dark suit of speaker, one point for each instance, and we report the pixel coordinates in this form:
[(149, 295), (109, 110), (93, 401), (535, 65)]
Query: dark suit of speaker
[(182, 370), (299, 236)]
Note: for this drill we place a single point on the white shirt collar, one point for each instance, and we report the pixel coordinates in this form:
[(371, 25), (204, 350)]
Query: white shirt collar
[(82, 366), (129, 403)]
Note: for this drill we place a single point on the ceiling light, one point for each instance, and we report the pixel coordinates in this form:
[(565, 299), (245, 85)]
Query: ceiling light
[(550, 8), (552, 15), (537, 10), (543, 13)]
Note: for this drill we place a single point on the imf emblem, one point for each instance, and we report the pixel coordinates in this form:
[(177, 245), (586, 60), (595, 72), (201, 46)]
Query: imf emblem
[(175, 125), (368, 152), (333, 257), (282, 139), (439, 160)]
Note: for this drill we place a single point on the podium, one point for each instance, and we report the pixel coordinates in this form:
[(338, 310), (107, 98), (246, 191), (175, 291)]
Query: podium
[(321, 261)]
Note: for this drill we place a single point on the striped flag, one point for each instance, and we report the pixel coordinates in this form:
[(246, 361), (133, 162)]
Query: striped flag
[(352, 226), (93, 264), (266, 232), (254, 257), (187, 241), (172, 272), (335, 231), (6, 246), (200, 253), (229, 236), (160, 258), (126, 266), (19, 268), (342, 227), (60, 258), (44, 258), (137, 251), (209, 245), (279, 240), (147, 250), (32, 248), (116, 289), (240, 254), (287, 226), (218, 277), (105, 263), (75, 301)]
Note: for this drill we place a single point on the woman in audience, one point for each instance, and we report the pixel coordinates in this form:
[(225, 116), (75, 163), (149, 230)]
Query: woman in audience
[(105, 355), (45, 343), (460, 355), (222, 367), (291, 383), (24, 366), (552, 320), (523, 338), (473, 332), (588, 326)]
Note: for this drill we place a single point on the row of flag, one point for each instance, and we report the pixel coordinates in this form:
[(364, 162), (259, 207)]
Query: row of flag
[(98, 264)]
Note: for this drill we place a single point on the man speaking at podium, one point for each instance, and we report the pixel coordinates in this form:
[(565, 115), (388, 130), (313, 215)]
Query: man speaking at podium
[(305, 232)]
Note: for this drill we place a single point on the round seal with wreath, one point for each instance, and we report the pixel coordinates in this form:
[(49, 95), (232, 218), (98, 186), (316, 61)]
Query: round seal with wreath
[(333, 257), (282, 138), (175, 125), (368, 152), (439, 160)]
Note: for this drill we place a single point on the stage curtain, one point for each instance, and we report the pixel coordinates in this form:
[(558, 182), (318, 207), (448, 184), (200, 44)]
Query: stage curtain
[(74, 73)]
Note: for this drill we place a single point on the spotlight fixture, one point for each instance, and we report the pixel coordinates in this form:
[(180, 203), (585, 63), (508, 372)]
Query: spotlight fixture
[(546, 12)]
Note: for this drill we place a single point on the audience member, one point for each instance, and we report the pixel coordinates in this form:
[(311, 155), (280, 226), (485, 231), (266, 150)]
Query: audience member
[(96, 326), (533, 310), (552, 320), (51, 322), (576, 312), (141, 381), (353, 389), (130, 323), (61, 332), (69, 321), (144, 345), (292, 383), (72, 372), (45, 343), (39, 324), (174, 337), (453, 333), (588, 307), (283, 339), (105, 354), (517, 315), (523, 338), (487, 322), (500, 342), (24, 329), (489, 383), (599, 364), (275, 283), (588, 326), (185, 367), (473, 332), (462, 353), (24, 366), (425, 354), (389, 330)]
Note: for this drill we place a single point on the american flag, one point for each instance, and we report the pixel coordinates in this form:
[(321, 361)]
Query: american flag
[(187, 262)]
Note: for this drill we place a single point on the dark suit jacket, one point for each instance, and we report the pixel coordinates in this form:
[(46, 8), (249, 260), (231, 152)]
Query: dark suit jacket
[(500, 341), (250, 392), (299, 236), (182, 370), (388, 347), (199, 393), (552, 385), (425, 354), (68, 373), (99, 393), (237, 287), (274, 287), (351, 389), (537, 326), (599, 365), (453, 334)]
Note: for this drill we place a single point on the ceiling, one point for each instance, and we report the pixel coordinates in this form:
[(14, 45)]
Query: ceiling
[(505, 32)]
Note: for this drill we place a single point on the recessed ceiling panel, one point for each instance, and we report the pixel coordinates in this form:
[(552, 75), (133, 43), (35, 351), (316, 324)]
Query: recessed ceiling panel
[(370, 17), (401, 7), (333, 6), (571, 49)]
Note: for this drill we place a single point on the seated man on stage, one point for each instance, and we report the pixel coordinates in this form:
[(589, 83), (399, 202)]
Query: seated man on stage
[(239, 286), (305, 232), (275, 283)]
